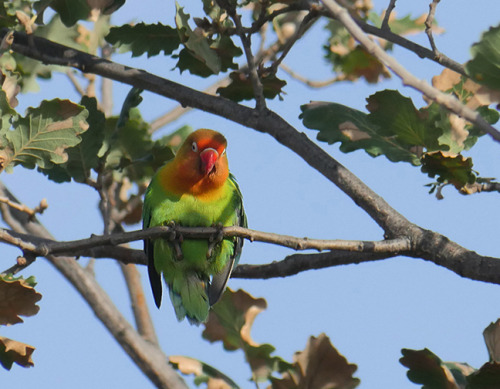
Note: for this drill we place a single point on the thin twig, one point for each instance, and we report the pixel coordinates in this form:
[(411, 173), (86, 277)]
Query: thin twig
[(246, 42), (40, 208), (106, 85), (305, 25), (142, 317), (428, 26), (79, 89), (311, 83), (388, 11), (446, 100)]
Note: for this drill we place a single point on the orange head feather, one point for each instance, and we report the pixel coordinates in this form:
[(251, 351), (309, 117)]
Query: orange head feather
[(200, 166)]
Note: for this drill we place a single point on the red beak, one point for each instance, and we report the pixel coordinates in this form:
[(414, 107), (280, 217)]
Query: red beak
[(208, 158)]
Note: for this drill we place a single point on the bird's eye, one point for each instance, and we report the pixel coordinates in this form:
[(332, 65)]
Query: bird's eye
[(223, 152), (194, 147)]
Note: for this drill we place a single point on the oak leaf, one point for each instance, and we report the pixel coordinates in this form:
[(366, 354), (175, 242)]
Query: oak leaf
[(17, 297), (12, 351), (319, 366)]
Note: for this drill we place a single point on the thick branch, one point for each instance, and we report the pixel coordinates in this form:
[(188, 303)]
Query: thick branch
[(416, 242)]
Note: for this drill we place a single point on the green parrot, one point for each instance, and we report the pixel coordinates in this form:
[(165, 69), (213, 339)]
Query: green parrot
[(194, 189)]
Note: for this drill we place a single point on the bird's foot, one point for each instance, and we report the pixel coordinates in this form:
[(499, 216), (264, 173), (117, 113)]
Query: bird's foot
[(215, 239), (176, 239)]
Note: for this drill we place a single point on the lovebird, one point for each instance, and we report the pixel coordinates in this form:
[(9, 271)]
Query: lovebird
[(194, 189)]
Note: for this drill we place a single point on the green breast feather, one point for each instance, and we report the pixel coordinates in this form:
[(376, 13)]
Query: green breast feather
[(195, 280)]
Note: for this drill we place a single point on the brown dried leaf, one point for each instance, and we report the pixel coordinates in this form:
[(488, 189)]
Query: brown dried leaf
[(231, 319), (186, 365), (12, 351), (17, 298), (491, 336), (205, 373), (480, 95), (319, 366)]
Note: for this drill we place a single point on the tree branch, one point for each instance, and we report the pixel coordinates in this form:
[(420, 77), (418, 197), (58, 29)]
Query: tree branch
[(414, 242), (387, 16), (446, 100)]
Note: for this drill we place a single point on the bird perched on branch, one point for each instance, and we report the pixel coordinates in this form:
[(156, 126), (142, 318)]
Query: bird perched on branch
[(194, 189)]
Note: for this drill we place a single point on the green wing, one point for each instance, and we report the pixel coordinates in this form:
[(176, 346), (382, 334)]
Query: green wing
[(219, 280), (154, 276)]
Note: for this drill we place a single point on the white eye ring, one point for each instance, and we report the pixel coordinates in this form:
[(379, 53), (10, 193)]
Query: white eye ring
[(194, 147), (223, 152)]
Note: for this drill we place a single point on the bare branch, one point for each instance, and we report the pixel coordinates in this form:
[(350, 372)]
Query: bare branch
[(388, 11), (428, 26), (298, 263), (142, 317), (75, 82), (48, 247), (40, 208), (446, 100), (310, 83), (413, 242), (305, 25)]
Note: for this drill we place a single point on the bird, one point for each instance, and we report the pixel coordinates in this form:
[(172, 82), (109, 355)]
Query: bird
[(194, 189)]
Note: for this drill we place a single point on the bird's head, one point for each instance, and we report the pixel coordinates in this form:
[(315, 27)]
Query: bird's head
[(202, 160)]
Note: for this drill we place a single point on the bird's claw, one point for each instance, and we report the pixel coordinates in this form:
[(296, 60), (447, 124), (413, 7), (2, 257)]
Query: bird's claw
[(215, 239), (176, 239)]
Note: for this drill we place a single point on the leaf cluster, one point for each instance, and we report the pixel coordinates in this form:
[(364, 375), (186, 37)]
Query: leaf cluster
[(230, 321), (426, 368), (17, 298)]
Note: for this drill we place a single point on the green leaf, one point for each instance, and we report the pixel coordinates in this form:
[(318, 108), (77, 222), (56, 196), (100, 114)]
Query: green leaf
[(6, 19), (338, 123), (405, 123), (227, 51), (84, 156), (43, 136), (7, 114), (196, 42), (350, 59), (188, 61), (71, 11), (456, 170), (426, 368), (144, 38), (484, 67), (240, 88)]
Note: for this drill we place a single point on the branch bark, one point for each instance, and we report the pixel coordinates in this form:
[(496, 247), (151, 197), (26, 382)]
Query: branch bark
[(413, 241)]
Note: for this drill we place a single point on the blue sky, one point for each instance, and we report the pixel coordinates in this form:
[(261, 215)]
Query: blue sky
[(369, 311)]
